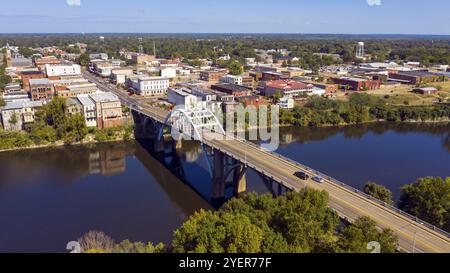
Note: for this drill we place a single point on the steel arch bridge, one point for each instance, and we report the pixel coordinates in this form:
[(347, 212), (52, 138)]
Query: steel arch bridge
[(191, 123)]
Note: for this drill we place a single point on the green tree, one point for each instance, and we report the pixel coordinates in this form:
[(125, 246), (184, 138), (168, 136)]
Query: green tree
[(379, 192), (14, 120), (429, 199), (2, 102), (84, 59), (235, 68), (356, 237), (209, 232)]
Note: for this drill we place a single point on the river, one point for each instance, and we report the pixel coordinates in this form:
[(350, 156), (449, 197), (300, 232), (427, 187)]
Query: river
[(49, 197)]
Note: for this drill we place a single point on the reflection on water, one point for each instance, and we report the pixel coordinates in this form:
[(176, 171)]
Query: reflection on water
[(49, 197)]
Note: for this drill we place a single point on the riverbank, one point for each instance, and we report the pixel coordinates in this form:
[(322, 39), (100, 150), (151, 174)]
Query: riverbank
[(15, 141)]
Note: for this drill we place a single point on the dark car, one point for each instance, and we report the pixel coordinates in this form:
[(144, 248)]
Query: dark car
[(302, 175)]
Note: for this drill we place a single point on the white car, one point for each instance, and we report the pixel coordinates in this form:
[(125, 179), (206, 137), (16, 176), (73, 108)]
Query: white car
[(318, 179)]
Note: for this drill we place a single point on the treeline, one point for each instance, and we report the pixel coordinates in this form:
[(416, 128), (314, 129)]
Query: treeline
[(292, 223), (53, 124), (428, 198), (192, 47), (360, 108)]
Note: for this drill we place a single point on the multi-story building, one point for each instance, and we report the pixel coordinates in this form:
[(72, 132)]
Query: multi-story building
[(141, 59), (232, 89), (76, 90), (150, 86), (56, 71), (212, 75), (27, 75), (246, 81), (108, 108), (168, 72), (41, 89), (286, 103), (286, 88), (41, 62), (413, 77), (119, 75), (16, 114), (73, 106), (181, 96), (88, 109), (357, 84)]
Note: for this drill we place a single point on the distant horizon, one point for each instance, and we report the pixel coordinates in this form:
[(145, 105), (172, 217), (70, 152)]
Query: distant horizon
[(359, 17)]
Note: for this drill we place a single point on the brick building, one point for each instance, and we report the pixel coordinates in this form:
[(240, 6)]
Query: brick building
[(41, 89), (212, 75), (27, 75), (414, 77), (232, 89), (357, 84)]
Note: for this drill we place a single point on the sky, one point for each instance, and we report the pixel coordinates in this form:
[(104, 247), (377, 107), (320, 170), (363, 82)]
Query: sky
[(226, 16)]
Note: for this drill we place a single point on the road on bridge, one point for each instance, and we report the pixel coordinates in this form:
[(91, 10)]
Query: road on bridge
[(413, 236)]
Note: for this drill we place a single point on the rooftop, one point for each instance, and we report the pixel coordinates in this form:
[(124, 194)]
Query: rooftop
[(22, 104), (104, 97), (42, 81), (288, 85), (85, 100)]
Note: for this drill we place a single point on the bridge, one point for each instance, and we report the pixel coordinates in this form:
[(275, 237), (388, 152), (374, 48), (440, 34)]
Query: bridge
[(231, 157)]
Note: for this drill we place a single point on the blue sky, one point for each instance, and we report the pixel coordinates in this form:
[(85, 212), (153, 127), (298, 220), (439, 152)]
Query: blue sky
[(227, 16)]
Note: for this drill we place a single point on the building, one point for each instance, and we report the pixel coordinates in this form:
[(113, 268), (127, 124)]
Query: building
[(72, 91), (272, 76), (232, 89), (55, 71), (246, 81), (169, 72), (16, 114), (413, 77), (101, 56), (286, 88), (291, 72), (73, 106), (41, 89), (119, 75), (102, 68), (212, 75), (182, 97), (142, 59), (27, 75), (88, 109), (426, 90), (253, 100), (286, 103), (42, 62), (150, 86), (108, 108), (357, 84), (12, 88)]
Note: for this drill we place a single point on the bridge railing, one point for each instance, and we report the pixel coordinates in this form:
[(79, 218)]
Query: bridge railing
[(350, 188)]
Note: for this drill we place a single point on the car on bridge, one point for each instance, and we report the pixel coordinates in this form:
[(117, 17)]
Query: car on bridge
[(318, 179), (302, 175)]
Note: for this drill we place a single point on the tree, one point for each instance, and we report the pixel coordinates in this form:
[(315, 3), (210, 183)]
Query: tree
[(13, 120), (235, 68), (356, 237), (84, 59), (2, 102), (379, 192), (96, 242), (209, 232), (139, 247), (429, 199)]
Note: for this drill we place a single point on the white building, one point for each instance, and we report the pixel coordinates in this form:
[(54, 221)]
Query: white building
[(16, 114), (150, 86), (182, 97), (119, 75), (89, 110), (286, 102), (169, 72), (57, 70), (231, 79)]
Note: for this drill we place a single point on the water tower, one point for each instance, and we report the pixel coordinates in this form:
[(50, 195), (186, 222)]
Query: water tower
[(360, 50)]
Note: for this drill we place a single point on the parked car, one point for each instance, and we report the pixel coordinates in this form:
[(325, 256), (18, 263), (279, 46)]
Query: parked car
[(302, 175), (318, 179)]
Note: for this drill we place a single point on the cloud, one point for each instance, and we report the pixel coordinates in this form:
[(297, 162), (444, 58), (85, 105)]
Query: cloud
[(374, 2), (73, 2)]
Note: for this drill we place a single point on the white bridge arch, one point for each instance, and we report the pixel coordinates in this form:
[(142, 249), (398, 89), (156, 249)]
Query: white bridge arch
[(191, 123)]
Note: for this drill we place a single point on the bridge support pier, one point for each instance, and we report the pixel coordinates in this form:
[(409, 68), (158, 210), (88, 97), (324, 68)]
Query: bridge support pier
[(218, 191), (239, 180)]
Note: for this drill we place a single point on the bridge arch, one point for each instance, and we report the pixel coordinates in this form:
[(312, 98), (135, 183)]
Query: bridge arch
[(192, 122)]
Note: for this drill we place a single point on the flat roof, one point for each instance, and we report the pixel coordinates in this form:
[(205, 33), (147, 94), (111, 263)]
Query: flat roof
[(39, 81), (104, 97)]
